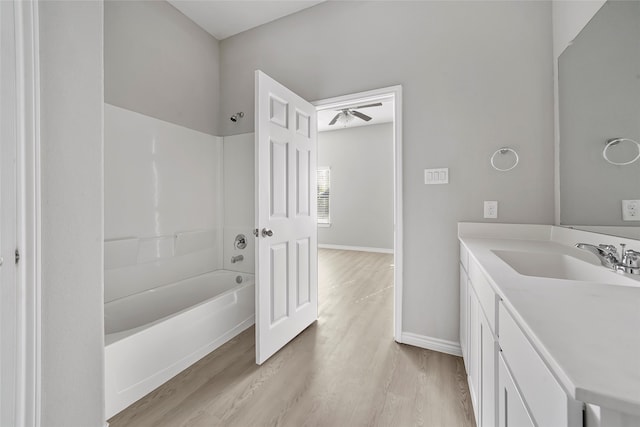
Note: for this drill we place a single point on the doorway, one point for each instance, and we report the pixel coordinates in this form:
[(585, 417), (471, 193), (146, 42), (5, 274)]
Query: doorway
[(286, 226), (344, 106)]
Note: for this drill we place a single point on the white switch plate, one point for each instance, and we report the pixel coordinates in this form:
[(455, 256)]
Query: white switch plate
[(490, 209), (436, 176), (631, 210)]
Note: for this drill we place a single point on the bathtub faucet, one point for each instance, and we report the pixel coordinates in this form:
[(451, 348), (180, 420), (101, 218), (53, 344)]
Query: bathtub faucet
[(236, 258)]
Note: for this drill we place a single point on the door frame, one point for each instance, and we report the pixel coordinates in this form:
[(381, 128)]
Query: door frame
[(393, 93), (28, 226)]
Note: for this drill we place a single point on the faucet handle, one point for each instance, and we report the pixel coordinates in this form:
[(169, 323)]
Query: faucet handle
[(609, 248), (631, 258)]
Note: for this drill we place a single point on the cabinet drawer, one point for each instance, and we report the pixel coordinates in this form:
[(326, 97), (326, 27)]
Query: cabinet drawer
[(548, 403), (464, 257), (485, 293)]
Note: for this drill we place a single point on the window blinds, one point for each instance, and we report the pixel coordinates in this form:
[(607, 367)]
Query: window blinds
[(324, 190)]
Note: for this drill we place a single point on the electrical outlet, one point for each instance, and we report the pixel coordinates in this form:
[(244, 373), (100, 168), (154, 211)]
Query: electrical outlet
[(491, 209), (631, 210)]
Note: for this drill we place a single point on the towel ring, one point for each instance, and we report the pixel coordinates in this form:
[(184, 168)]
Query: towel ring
[(505, 150), (615, 141)]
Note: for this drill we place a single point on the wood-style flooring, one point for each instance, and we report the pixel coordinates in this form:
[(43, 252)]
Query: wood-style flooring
[(344, 370)]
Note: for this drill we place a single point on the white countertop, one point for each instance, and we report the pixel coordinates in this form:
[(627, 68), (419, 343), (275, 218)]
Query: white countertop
[(588, 334)]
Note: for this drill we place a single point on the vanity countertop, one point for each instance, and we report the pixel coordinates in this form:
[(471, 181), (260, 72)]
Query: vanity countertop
[(588, 334)]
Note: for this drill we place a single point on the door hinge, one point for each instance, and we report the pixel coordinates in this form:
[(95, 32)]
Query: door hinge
[(17, 256)]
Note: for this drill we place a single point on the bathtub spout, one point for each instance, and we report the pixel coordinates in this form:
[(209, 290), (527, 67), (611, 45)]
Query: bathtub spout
[(236, 258)]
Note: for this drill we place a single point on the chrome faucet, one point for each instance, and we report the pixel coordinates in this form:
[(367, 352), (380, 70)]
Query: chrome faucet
[(236, 258), (628, 261)]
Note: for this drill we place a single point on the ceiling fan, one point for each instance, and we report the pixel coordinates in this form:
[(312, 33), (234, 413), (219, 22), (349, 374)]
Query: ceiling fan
[(347, 114)]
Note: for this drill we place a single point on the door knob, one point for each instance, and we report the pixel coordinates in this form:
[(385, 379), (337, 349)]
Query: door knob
[(266, 232)]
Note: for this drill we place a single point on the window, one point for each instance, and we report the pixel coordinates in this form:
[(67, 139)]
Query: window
[(324, 187)]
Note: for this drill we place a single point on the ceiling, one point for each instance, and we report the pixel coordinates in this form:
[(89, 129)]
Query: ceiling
[(224, 18), (382, 114)]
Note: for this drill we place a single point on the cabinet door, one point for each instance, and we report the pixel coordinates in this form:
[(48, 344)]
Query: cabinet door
[(512, 411), (488, 374), (474, 352), (464, 319)]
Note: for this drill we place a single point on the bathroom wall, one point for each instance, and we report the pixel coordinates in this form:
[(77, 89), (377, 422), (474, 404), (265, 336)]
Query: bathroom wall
[(476, 76), (163, 202), (159, 63), (239, 200), (361, 205), (71, 209), (163, 158)]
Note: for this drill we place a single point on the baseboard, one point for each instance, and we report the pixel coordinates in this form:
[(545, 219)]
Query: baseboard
[(356, 248), (430, 343)]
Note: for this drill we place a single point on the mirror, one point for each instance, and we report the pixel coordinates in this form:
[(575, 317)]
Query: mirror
[(599, 100)]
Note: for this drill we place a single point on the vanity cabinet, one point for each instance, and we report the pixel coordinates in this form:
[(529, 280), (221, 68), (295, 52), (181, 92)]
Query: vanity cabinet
[(508, 381), (478, 340), (547, 402)]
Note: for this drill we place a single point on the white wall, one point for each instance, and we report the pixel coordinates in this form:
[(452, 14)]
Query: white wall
[(159, 63), (476, 76), (361, 204), (163, 202), (72, 213), (239, 200)]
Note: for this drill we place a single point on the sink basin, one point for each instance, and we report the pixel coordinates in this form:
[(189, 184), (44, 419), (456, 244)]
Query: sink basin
[(561, 266)]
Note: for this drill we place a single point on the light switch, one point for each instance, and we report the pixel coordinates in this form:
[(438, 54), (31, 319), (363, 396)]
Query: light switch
[(436, 176)]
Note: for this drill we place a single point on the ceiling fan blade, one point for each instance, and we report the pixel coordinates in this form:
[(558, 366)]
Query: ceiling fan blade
[(377, 104), (334, 120), (359, 115)]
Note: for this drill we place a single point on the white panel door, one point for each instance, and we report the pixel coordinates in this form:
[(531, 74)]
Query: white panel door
[(286, 251), (8, 292)]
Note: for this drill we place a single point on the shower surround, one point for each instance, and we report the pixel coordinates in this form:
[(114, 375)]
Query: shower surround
[(166, 187)]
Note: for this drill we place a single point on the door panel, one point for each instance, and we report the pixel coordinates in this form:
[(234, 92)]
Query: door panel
[(488, 351), (279, 179), (303, 169), (474, 352), (512, 411), (286, 251), (304, 280), (279, 282)]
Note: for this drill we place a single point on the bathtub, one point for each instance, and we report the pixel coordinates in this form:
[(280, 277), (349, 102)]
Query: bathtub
[(152, 336)]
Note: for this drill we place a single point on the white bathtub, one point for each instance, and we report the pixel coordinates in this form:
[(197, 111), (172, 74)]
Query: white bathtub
[(152, 336)]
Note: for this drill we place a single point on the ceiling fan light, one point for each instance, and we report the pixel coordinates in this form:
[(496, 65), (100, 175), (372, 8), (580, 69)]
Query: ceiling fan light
[(345, 118)]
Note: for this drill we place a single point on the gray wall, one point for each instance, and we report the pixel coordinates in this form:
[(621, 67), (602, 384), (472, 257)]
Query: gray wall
[(475, 76), (72, 213), (361, 161), (159, 63)]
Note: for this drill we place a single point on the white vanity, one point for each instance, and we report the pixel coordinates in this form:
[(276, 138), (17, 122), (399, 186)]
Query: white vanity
[(549, 336)]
